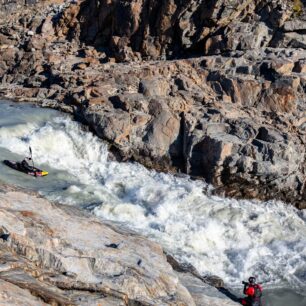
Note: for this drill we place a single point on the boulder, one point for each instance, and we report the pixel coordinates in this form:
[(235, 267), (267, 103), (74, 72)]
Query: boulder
[(113, 126), (162, 132), (154, 87), (282, 67)]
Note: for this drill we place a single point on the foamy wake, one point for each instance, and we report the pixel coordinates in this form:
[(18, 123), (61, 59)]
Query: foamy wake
[(232, 239)]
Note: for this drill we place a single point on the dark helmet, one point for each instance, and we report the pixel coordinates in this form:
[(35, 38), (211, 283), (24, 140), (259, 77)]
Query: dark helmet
[(252, 280)]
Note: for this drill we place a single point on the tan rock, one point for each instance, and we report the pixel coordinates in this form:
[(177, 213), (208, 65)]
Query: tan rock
[(163, 131), (47, 30), (154, 87), (281, 100), (91, 60), (97, 101), (75, 252), (81, 66), (283, 67), (226, 99), (140, 120), (13, 295), (111, 60)]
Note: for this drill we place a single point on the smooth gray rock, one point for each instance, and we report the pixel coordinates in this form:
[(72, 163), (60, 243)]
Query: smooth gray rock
[(294, 25), (62, 255)]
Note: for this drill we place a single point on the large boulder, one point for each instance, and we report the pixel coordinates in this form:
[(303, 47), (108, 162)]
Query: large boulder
[(162, 132)]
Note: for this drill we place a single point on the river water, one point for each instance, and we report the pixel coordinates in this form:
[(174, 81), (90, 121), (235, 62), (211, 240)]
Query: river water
[(221, 236)]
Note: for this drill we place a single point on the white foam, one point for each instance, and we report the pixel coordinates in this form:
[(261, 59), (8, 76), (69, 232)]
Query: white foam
[(230, 238)]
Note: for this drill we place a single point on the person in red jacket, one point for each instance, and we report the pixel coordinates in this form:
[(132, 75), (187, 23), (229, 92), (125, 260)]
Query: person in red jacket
[(253, 292)]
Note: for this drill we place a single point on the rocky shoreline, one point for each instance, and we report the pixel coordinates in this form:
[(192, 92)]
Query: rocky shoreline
[(53, 254), (228, 104), (213, 89)]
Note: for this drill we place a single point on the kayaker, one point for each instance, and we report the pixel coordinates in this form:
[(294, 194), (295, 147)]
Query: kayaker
[(25, 164), (253, 292)]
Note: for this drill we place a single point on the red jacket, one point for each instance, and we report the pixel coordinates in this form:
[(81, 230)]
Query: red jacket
[(255, 293)]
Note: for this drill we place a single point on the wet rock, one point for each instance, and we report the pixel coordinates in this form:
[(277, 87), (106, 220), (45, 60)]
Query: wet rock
[(205, 290), (214, 281), (204, 294)]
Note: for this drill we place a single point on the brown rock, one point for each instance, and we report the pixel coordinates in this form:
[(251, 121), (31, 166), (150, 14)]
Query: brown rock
[(81, 66), (283, 67), (68, 24), (97, 101), (282, 96)]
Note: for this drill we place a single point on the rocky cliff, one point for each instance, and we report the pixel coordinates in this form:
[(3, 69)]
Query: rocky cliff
[(57, 255), (170, 29), (215, 88)]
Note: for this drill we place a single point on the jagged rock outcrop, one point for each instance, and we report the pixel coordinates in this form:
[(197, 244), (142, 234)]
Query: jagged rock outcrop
[(166, 29), (234, 114), (57, 255)]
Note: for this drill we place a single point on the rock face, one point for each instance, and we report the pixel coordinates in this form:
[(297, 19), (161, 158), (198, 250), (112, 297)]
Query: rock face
[(169, 28), (231, 111), (53, 254)]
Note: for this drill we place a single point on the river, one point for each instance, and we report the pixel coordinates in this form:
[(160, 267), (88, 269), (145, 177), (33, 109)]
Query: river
[(221, 236)]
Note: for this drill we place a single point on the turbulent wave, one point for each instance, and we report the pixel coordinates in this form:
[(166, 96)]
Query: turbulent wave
[(232, 239)]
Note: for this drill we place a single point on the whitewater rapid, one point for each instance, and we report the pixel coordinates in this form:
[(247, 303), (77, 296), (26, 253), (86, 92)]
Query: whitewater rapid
[(225, 237)]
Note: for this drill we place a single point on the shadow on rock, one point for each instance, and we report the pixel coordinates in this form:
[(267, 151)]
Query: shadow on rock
[(230, 295)]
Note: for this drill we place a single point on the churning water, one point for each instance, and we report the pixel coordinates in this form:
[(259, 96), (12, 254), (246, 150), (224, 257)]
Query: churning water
[(229, 238)]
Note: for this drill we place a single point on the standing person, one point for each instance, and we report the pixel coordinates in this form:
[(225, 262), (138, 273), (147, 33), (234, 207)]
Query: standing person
[(253, 292)]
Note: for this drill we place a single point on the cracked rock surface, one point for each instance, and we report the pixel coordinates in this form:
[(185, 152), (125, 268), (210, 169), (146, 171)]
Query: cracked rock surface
[(55, 254)]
